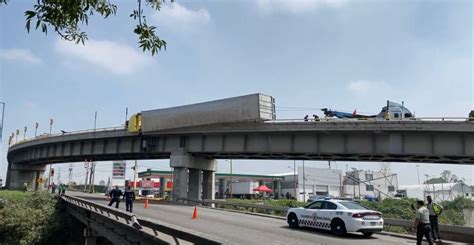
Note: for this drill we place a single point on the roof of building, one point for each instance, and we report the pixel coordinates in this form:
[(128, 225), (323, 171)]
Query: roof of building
[(255, 176)]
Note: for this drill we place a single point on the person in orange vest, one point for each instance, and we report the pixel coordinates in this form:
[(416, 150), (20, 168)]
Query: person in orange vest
[(129, 197), (115, 195)]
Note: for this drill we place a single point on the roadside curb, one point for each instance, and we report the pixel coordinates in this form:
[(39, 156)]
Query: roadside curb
[(241, 212), (249, 213)]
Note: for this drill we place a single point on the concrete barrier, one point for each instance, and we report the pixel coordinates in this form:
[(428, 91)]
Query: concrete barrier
[(125, 225)]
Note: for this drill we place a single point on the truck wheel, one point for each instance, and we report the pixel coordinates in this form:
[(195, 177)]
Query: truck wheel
[(338, 227), (292, 220)]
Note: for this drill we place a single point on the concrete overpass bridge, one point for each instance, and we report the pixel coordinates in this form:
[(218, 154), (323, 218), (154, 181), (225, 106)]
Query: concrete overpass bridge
[(192, 151)]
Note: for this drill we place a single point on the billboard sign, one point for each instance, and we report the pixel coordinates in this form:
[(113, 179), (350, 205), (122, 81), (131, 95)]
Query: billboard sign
[(118, 170), (147, 184)]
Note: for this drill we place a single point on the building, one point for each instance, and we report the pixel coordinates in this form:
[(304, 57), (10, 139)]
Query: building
[(312, 182), (360, 184), (223, 186), (316, 181), (439, 192)]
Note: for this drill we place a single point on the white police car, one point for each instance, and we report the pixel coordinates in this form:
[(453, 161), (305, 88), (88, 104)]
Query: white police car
[(338, 216)]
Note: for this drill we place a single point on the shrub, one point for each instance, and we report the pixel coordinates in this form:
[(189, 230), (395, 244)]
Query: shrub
[(30, 218)]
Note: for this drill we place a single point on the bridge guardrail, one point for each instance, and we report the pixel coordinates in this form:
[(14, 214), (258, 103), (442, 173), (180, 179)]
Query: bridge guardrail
[(309, 120), (46, 135), (417, 119), (156, 226), (449, 232)]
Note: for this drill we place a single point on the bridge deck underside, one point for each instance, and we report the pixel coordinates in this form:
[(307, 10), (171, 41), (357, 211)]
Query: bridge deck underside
[(426, 147)]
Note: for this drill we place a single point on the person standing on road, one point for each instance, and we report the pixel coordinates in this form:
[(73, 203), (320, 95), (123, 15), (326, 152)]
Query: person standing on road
[(435, 210), (129, 198), (53, 188), (422, 223), (115, 195)]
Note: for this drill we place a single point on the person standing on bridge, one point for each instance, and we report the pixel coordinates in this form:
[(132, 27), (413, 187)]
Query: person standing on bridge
[(129, 198), (422, 223), (115, 195), (435, 210)]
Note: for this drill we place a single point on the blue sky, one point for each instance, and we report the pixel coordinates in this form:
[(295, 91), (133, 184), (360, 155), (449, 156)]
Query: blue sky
[(342, 54)]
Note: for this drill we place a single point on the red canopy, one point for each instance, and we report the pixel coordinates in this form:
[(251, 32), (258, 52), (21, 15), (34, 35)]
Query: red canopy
[(262, 188)]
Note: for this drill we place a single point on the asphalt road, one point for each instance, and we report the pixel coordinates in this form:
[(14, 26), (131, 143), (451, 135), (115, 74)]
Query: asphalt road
[(239, 228)]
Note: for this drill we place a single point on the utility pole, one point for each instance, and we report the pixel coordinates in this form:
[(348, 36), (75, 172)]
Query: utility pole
[(304, 184), (294, 176), (70, 174), (329, 164), (231, 178), (91, 178), (86, 166), (135, 171)]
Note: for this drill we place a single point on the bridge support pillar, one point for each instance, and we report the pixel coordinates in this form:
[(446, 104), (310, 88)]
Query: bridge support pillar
[(18, 174), (180, 183), (90, 237), (222, 188), (277, 189), (208, 186), (195, 184), (163, 183), (181, 161)]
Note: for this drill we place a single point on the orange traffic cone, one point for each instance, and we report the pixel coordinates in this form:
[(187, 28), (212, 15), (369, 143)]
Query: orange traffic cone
[(195, 213), (146, 203)]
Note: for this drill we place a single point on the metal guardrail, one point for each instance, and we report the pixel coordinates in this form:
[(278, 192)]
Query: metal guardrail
[(157, 227), (451, 232), (45, 136)]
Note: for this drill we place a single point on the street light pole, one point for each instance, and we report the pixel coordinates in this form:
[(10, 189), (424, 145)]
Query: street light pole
[(50, 125), (95, 121), (36, 128)]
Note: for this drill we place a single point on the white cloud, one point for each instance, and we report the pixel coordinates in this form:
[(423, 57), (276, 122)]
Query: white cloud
[(21, 55), (176, 16), (114, 57), (296, 6), (364, 87)]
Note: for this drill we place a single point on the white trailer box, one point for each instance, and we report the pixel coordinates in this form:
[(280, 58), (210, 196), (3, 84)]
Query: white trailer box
[(247, 108), (243, 188)]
